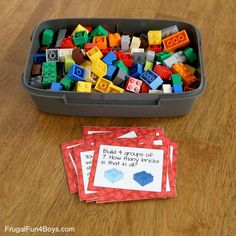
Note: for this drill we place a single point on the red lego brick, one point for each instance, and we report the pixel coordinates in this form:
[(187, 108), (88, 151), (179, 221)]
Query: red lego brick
[(67, 42), (126, 58), (155, 48), (89, 46), (106, 51), (89, 28), (162, 71), (144, 88), (133, 85)]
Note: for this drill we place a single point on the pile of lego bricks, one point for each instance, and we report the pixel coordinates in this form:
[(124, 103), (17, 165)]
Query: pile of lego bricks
[(112, 164), (96, 60)]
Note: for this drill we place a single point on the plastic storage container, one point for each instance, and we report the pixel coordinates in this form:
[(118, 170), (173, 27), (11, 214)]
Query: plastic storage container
[(113, 105)]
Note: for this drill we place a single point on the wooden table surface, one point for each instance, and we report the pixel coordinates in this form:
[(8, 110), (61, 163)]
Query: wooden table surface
[(33, 189)]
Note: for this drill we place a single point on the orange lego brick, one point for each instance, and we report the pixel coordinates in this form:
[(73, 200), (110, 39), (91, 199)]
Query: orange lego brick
[(176, 41), (184, 72), (114, 39), (101, 41)]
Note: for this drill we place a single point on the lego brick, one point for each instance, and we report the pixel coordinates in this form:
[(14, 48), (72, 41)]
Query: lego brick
[(88, 75), (121, 65), (191, 68), (137, 50), (36, 69), (39, 58), (100, 41), (144, 41), (49, 73), (170, 61), (180, 57), (150, 56), (166, 32), (177, 88), (125, 41), (156, 48), (126, 58), (154, 37), (109, 58), (176, 79), (47, 37), (136, 70), (83, 87), (99, 68), (113, 175), (78, 56), (151, 78), (52, 55), (187, 77), (106, 51), (68, 62), (162, 71), (64, 52), (114, 89), (94, 53), (99, 31), (76, 73), (80, 28), (60, 36), (143, 178), (135, 43), (56, 87), (67, 83), (166, 88), (133, 85), (111, 71), (144, 88), (120, 77), (67, 43), (80, 38), (102, 85), (89, 28), (162, 56), (114, 39), (89, 46), (36, 82), (139, 57), (148, 65), (175, 41), (190, 54)]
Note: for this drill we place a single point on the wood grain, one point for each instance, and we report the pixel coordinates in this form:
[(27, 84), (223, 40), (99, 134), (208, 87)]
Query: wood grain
[(33, 189)]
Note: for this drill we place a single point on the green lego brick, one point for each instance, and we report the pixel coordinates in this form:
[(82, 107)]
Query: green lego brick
[(121, 65), (47, 37), (190, 54), (148, 65), (99, 31), (162, 56), (80, 38), (67, 83), (176, 79), (49, 73), (68, 63)]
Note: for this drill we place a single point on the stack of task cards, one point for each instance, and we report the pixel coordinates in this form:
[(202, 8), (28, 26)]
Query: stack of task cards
[(110, 164)]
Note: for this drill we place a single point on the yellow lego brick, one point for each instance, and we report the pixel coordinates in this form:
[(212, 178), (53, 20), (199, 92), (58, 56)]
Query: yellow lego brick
[(154, 37), (103, 85), (83, 87), (191, 69), (99, 68), (68, 63), (79, 28), (114, 89), (148, 65), (94, 53)]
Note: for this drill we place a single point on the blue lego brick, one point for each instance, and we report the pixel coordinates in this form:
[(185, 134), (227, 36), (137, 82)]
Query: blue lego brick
[(113, 175), (76, 73), (56, 87), (177, 88), (143, 178), (39, 58), (151, 78), (111, 71), (136, 70), (109, 58)]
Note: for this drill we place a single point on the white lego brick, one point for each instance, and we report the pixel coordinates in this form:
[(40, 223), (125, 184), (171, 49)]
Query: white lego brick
[(170, 61), (155, 91), (87, 76), (180, 57), (135, 43), (150, 55), (169, 31), (64, 52), (125, 41), (138, 50), (166, 88), (52, 55)]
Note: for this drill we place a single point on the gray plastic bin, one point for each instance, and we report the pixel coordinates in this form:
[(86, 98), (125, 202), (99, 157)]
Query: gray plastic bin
[(113, 105)]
